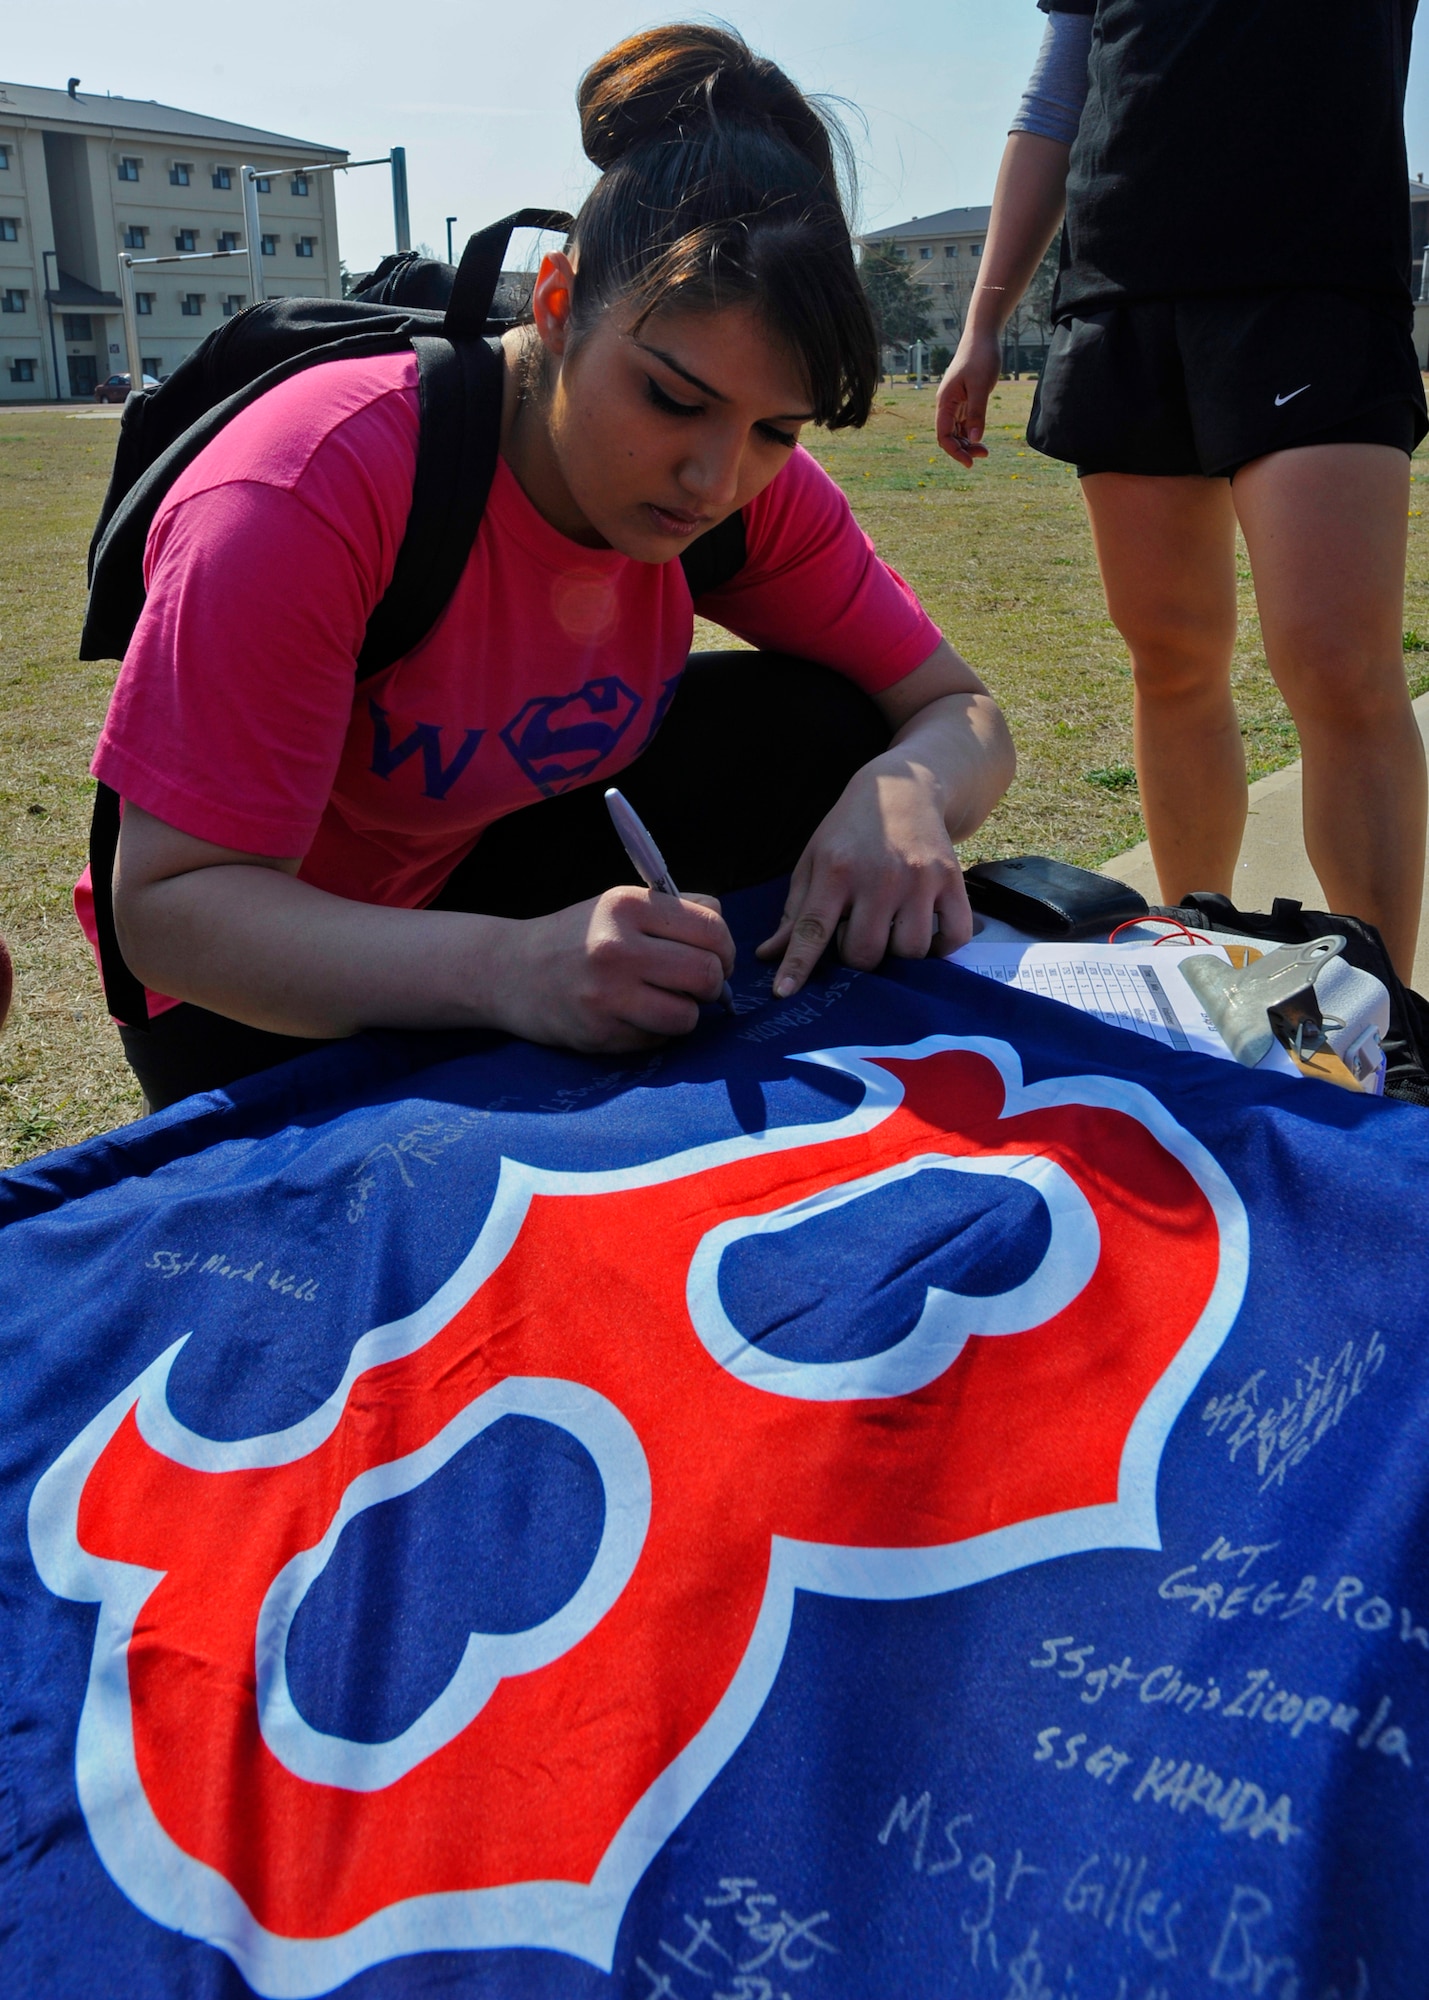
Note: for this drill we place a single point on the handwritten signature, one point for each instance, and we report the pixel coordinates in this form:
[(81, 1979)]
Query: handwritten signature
[(177, 1264), (1284, 1430)]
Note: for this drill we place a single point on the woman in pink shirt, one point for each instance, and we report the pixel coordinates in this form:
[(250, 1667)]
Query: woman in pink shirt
[(303, 856)]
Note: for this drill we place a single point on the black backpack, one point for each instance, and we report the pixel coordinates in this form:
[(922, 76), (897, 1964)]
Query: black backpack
[(444, 315)]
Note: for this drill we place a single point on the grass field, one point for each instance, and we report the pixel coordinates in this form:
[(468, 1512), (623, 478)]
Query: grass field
[(1000, 556)]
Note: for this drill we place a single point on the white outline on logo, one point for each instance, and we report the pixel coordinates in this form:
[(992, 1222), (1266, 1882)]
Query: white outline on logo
[(582, 1919), (930, 1347), (609, 1437)]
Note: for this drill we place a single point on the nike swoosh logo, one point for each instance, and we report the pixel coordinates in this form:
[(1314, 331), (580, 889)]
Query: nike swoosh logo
[(1291, 397)]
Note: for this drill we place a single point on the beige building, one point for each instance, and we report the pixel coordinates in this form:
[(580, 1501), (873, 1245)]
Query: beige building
[(83, 177), (943, 251)]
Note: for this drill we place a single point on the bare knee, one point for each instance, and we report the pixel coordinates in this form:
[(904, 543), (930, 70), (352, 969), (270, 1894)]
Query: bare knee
[(1177, 662), (1180, 640), (1340, 684)]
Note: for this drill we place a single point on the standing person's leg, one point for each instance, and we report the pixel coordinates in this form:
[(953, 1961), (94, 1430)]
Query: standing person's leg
[(1326, 528), (1166, 548)]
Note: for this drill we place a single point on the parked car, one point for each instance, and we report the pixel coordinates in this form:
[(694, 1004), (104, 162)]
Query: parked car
[(116, 388)]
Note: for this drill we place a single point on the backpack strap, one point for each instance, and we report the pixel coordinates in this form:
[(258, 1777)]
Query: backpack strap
[(479, 272), (716, 558), (460, 380), (460, 385)]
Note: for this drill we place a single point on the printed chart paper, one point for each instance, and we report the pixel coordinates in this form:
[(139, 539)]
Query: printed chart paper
[(1140, 988)]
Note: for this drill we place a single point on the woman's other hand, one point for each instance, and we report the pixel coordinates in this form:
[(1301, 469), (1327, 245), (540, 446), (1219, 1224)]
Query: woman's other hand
[(881, 873)]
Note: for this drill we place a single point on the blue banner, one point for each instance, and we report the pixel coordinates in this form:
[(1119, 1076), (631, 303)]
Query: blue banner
[(911, 1492)]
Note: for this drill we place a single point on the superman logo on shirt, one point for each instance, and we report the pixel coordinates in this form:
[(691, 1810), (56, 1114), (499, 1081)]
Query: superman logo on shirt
[(559, 739)]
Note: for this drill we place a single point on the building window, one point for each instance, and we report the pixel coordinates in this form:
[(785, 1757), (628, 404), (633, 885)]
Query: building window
[(4, 159), (136, 236), (925, 253), (78, 326), (223, 177), (307, 246), (143, 303), (186, 239), (150, 364), (13, 302), (179, 173), (228, 239), (128, 169), (976, 249), (268, 245), (233, 302), (9, 229), (262, 184), (22, 369), (298, 184), (950, 326), (950, 250), (191, 305)]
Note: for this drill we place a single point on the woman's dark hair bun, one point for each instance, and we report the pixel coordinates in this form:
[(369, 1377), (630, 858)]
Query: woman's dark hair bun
[(678, 82), (720, 187)]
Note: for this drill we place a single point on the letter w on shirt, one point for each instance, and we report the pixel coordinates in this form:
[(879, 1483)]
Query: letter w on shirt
[(426, 737)]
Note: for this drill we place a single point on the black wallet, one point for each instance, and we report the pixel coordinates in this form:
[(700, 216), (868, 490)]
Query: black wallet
[(1051, 899)]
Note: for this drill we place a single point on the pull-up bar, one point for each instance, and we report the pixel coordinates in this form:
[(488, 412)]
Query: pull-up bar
[(250, 176), (126, 299)]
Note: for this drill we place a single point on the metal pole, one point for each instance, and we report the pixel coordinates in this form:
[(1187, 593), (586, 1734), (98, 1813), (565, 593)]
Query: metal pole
[(131, 324), (400, 218), (50, 305), (248, 177), (450, 220)]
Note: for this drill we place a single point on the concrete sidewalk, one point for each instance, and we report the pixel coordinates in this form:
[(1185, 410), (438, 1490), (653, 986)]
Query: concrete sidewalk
[(1272, 857)]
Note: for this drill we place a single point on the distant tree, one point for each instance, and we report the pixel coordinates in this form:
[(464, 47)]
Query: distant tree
[(1033, 309), (900, 306), (1037, 301)]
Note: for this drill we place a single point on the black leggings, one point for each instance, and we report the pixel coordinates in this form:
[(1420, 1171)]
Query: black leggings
[(754, 751)]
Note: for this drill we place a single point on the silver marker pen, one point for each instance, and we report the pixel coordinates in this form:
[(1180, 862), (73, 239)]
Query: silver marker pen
[(647, 860)]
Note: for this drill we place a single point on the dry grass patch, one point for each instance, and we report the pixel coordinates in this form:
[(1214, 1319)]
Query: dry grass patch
[(62, 1076)]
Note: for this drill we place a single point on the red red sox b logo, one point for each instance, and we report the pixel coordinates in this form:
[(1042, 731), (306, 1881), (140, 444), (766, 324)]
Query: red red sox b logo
[(522, 1805)]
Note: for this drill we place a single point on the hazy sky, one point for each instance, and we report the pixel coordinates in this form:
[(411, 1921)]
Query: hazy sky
[(482, 96)]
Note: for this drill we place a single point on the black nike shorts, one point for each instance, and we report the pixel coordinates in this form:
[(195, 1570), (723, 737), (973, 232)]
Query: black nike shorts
[(1205, 385)]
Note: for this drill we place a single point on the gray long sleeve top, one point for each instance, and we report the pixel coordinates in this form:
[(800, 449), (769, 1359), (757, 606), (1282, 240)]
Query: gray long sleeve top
[(1057, 88)]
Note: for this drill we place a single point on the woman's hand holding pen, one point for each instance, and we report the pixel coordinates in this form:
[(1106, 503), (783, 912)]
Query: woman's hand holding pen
[(626, 970)]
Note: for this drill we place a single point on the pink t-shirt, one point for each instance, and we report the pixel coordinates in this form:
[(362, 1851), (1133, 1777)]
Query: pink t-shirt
[(237, 716)]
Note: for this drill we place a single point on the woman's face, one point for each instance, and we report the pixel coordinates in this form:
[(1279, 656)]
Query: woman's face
[(660, 432)]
